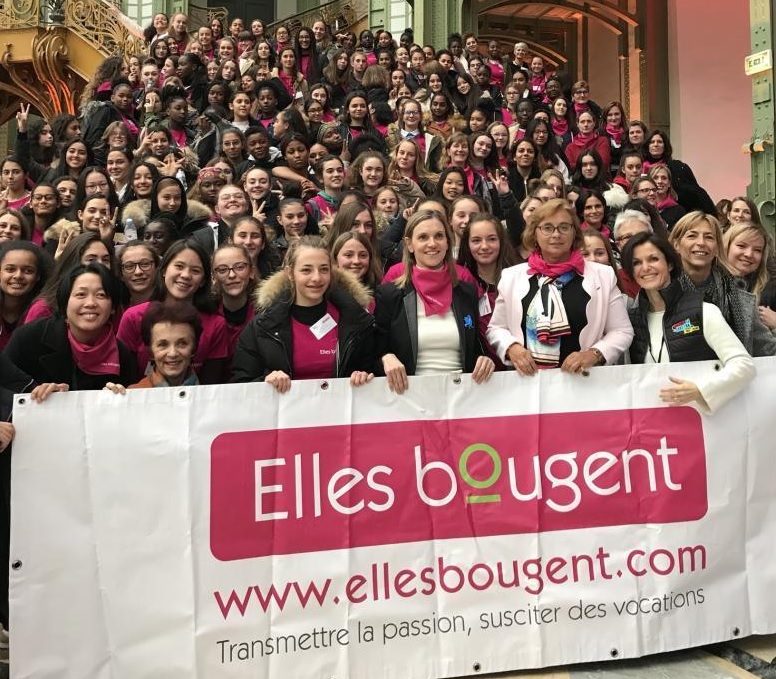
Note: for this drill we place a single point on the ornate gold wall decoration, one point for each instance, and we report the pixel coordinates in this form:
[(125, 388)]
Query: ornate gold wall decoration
[(24, 81), (49, 59), (340, 14), (19, 13), (101, 25)]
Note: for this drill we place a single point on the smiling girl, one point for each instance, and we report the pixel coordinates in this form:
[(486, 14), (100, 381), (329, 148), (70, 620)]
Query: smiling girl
[(184, 277), (23, 272), (311, 323), (234, 278)]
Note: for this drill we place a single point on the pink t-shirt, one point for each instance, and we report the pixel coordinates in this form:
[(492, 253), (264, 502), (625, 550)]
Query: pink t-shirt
[(314, 358), (233, 331), (38, 309), (19, 203), (213, 344)]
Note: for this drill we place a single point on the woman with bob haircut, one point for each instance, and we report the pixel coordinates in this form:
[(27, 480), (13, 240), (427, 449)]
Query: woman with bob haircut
[(171, 335), (428, 319), (662, 305), (558, 310), (697, 238)]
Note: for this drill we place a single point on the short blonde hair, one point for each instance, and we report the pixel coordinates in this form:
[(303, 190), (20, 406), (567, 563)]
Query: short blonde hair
[(691, 221), (545, 211)]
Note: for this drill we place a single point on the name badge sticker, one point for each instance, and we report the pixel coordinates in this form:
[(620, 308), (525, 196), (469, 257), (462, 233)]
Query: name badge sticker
[(323, 327), (485, 307)]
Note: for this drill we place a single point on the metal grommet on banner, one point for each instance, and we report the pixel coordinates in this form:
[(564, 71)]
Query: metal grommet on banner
[(324, 385), (16, 565), (182, 393), (736, 631), (22, 400), (476, 667), (585, 373), (717, 367), (456, 380), (614, 653)]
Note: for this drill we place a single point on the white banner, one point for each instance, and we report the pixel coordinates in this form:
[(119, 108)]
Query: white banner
[(457, 529)]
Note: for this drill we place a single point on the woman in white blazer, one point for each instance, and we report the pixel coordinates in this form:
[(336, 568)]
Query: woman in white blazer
[(558, 310)]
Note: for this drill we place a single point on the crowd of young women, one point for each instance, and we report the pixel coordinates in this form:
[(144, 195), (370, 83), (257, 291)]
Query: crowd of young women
[(313, 205), (238, 206)]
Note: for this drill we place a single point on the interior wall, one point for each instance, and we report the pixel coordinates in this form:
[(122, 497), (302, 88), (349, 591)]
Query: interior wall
[(603, 64), (710, 95)]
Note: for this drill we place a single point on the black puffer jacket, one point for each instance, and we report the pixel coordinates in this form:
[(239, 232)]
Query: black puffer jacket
[(266, 343)]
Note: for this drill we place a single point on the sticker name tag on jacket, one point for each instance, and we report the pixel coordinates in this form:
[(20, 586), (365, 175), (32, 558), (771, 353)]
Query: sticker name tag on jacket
[(685, 327), (323, 327), (485, 308)]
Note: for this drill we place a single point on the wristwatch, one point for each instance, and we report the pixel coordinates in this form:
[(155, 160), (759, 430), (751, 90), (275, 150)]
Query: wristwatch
[(601, 358)]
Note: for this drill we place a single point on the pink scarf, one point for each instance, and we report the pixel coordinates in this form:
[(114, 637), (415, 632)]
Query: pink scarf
[(666, 203), (131, 126), (584, 141), (604, 230), (621, 181), (649, 163), (100, 358), (287, 81), (467, 170), (560, 126), (578, 108), (435, 288), (537, 264), (615, 134)]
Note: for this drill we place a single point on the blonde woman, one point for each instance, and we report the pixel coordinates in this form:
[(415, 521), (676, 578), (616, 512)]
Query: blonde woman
[(697, 238)]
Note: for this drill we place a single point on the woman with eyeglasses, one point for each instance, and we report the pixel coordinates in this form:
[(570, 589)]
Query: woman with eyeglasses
[(234, 279), (645, 188), (558, 310), (138, 262)]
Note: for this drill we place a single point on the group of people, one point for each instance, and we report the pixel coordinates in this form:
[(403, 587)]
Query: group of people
[(234, 206)]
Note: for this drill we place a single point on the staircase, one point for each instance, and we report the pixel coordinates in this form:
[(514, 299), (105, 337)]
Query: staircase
[(51, 48)]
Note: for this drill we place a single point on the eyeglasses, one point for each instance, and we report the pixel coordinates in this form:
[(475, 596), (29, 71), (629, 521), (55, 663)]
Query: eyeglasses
[(624, 238), (647, 191), (412, 113), (92, 187), (144, 265), (223, 271), (45, 196), (549, 229)]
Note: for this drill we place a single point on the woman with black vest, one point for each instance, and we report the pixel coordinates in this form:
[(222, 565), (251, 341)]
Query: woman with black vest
[(672, 325)]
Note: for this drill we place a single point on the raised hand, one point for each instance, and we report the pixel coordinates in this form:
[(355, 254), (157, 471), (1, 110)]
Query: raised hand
[(22, 116)]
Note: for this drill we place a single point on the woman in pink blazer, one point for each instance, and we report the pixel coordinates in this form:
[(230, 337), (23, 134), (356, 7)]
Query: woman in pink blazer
[(558, 310)]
